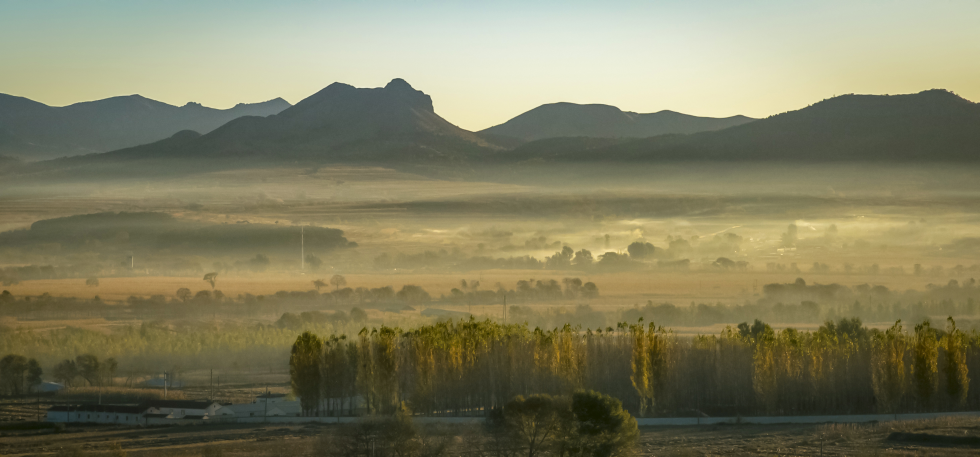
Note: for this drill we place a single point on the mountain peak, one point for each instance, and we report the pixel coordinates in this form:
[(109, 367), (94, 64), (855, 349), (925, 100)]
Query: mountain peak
[(399, 84), (402, 89)]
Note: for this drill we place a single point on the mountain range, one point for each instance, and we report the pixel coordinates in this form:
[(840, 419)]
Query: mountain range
[(556, 120), (33, 130), (933, 125), (397, 126)]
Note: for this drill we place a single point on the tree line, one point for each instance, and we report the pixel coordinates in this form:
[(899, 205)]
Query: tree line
[(87, 368), (18, 374), (453, 368)]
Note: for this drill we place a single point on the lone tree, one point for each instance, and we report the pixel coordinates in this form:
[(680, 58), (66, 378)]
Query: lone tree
[(537, 421), (641, 250), (184, 294), (338, 281), (313, 261), (304, 371), (211, 278), (89, 368), (589, 424), (92, 282), (318, 284), (603, 427)]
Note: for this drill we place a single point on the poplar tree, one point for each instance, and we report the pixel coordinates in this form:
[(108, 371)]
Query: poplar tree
[(955, 368), (888, 368), (305, 371), (640, 363), (659, 349), (925, 356), (764, 373)]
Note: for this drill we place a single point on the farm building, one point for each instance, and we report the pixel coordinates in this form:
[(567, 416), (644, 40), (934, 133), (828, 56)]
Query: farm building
[(181, 409), (98, 414)]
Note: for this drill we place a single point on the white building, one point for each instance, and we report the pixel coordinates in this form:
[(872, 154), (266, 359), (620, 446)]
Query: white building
[(97, 414), (254, 410), (180, 409), (147, 413)]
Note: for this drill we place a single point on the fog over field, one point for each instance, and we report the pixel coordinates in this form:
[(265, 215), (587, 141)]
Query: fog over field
[(658, 241)]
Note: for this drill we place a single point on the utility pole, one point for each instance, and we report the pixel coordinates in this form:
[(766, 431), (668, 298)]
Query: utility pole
[(265, 415), (211, 387), (164, 385), (302, 250), (505, 308)]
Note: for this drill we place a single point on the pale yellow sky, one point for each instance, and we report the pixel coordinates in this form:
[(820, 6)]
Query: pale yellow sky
[(485, 62)]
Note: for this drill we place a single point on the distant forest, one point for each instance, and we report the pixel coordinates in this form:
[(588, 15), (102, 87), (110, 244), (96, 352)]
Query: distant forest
[(160, 242)]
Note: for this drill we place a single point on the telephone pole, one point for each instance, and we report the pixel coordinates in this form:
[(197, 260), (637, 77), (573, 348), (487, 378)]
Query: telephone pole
[(505, 308), (302, 248)]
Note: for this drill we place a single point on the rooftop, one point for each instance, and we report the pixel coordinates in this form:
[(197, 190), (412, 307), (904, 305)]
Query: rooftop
[(179, 404), (116, 409)]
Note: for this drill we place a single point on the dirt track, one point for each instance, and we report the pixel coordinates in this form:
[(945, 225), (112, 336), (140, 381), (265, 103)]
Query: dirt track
[(936, 437)]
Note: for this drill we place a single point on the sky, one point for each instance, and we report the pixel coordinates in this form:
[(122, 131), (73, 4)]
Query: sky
[(485, 62)]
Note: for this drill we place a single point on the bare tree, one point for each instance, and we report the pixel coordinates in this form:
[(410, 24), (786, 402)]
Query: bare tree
[(337, 281), (211, 278), (318, 284)]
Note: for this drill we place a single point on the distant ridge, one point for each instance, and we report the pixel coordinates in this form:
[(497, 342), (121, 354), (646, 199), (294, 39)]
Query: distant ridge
[(33, 130), (340, 123), (934, 125), (556, 120)]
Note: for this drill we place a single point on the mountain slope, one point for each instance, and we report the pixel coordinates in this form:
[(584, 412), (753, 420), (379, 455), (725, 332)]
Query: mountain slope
[(36, 131), (603, 121), (340, 123), (932, 125)]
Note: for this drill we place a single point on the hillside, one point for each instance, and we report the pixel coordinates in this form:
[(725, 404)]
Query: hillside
[(603, 121), (33, 130), (934, 125), (340, 123)]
